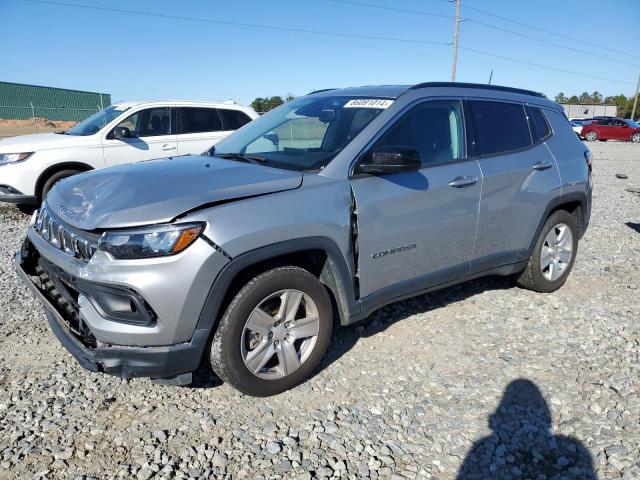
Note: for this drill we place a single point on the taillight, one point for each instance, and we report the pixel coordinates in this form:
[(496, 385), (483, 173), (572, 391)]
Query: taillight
[(588, 156)]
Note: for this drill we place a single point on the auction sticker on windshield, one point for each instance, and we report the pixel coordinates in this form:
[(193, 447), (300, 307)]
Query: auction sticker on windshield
[(368, 103)]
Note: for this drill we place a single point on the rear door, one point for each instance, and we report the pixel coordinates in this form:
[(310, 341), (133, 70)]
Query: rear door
[(620, 130), (152, 136), (199, 128), (520, 178), (416, 229)]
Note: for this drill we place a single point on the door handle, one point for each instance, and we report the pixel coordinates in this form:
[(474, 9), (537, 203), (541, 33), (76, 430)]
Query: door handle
[(465, 181), (541, 165), (168, 147)]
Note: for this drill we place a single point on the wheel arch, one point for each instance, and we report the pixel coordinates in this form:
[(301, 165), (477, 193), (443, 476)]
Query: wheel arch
[(319, 255), (576, 203), (58, 167)]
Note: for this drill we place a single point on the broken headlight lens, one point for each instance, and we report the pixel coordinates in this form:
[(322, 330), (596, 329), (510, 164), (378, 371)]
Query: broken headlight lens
[(150, 242)]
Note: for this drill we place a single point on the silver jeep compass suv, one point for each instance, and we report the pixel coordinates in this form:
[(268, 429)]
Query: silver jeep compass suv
[(317, 213)]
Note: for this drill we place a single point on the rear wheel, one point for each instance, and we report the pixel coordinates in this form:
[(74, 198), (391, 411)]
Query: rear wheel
[(635, 138), (274, 333), (55, 178), (591, 136), (553, 255)]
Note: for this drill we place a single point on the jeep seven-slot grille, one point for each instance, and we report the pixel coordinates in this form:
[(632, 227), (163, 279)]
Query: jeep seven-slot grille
[(73, 242)]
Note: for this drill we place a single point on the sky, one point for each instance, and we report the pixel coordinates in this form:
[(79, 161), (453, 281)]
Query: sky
[(219, 50)]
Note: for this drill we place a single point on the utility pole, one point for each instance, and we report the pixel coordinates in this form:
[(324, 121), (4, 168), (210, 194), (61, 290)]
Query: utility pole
[(635, 100), (455, 42)]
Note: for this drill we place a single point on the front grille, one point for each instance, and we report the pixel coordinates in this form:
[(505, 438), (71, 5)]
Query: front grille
[(74, 242), (60, 290)]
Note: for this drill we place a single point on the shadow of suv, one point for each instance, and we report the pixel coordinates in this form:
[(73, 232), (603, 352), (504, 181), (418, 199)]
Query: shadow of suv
[(319, 212)]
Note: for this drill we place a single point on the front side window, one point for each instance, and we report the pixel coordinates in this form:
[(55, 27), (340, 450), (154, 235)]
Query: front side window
[(499, 127), (304, 134), (97, 121), (196, 120), (233, 119), (435, 129), (151, 122)]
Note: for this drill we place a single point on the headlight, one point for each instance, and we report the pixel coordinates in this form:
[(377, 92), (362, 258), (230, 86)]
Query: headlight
[(150, 242), (14, 157)]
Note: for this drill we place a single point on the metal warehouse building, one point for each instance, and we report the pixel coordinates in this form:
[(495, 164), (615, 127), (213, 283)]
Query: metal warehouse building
[(590, 110), (20, 101)]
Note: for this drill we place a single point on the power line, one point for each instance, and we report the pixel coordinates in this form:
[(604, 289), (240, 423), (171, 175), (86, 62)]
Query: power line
[(236, 24), (391, 9), (544, 30), (547, 67), (487, 25), (315, 32), (531, 37)]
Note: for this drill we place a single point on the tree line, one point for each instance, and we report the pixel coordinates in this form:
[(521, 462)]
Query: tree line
[(624, 103), (262, 105)]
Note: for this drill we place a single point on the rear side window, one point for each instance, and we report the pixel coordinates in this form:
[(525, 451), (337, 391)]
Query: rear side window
[(538, 123), (234, 119), (499, 127), (196, 120)]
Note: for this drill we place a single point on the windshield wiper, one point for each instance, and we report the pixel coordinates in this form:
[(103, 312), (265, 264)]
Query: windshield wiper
[(242, 157)]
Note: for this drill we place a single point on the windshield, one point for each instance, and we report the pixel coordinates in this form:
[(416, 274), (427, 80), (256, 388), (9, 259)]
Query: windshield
[(304, 134), (96, 121)]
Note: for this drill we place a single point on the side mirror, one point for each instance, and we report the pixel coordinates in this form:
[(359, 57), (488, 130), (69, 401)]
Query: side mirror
[(120, 133), (390, 159), (272, 137), (327, 116)]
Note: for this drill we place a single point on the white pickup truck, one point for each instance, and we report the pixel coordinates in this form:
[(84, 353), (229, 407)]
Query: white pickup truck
[(122, 133)]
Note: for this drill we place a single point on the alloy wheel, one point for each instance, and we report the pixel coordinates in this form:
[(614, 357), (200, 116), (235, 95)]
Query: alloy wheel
[(280, 334), (635, 138), (557, 251)]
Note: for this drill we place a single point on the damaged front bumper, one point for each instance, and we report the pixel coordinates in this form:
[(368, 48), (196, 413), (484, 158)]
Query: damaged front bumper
[(174, 362)]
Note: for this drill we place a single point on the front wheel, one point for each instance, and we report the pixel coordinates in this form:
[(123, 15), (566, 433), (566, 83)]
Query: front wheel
[(55, 178), (592, 136), (553, 254), (274, 332), (635, 138)]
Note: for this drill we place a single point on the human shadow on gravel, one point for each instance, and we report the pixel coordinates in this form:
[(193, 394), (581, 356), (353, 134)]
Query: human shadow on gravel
[(522, 444), (633, 226), (344, 338)]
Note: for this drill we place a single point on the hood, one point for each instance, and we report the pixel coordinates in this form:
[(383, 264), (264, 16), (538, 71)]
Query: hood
[(43, 141), (160, 190)]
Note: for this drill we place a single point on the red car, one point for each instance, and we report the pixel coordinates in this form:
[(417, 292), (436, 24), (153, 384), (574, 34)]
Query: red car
[(612, 129)]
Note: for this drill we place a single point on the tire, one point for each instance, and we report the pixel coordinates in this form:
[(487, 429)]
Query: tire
[(635, 138), (55, 178), (591, 136), (542, 279), (253, 361)]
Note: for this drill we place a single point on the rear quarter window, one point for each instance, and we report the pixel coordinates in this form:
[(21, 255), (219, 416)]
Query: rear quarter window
[(499, 127), (538, 123), (234, 119)]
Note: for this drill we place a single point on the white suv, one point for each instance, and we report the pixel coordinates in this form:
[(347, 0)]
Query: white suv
[(122, 133)]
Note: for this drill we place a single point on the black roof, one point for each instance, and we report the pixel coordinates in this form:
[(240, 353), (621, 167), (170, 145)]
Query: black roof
[(482, 86)]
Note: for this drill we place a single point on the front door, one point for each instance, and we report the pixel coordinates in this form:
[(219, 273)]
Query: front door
[(151, 137), (416, 229)]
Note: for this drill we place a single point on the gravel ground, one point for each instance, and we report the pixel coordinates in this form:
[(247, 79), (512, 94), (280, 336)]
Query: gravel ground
[(476, 381)]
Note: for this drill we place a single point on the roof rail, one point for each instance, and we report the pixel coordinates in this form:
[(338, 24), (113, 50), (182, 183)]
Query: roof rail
[(482, 86), (321, 90)]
